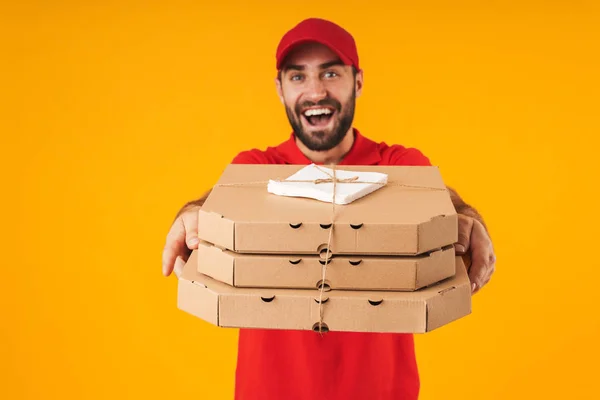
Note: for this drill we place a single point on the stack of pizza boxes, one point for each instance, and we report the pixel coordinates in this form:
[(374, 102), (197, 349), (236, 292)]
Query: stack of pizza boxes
[(279, 251)]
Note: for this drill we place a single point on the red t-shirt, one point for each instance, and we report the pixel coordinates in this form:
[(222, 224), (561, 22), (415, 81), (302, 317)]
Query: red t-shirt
[(287, 365)]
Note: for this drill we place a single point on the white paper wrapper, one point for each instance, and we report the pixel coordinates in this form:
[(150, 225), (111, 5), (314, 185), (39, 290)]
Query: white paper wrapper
[(346, 193)]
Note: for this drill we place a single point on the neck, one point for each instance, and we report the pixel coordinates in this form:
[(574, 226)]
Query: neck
[(333, 156)]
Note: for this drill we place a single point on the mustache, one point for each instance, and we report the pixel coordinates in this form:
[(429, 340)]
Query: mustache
[(323, 103)]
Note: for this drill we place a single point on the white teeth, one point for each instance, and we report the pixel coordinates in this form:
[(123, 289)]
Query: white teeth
[(317, 111)]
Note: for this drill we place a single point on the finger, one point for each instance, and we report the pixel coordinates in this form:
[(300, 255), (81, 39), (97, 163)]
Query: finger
[(481, 255), (190, 223), (490, 271), (465, 228), (179, 264), (174, 246), (467, 261), (486, 279)]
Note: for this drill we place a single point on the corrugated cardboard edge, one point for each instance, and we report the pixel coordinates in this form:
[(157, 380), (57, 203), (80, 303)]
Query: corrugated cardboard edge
[(375, 312), (216, 263), (450, 303), (439, 231), (264, 311), (438, 306), (223, 265), (197, 300), (436, 266), (215, 228)]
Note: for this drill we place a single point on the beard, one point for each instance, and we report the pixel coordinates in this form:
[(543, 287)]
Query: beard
[(322, 140)]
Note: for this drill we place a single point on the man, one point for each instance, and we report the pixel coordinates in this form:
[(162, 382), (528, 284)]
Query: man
[(318, 81)]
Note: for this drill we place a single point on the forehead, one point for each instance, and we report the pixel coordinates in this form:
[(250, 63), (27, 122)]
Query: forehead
[(310, 53)]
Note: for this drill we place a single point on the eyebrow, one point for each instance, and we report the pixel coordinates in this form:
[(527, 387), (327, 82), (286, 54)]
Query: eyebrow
[(326, 65)]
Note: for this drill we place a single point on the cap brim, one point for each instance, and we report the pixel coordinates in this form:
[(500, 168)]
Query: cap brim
[(309, 39)]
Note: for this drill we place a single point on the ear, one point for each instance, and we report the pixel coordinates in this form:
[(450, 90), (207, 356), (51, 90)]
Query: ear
[(359, 82), (279, 90)]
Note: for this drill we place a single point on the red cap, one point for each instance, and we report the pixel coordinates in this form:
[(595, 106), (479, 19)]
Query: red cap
[(321, 31)]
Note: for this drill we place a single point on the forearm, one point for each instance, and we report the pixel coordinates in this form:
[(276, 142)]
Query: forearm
[(464, 208), (194, 203)]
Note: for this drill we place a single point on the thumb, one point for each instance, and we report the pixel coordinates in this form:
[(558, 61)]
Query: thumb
[(174, 247), (190, 224), (465, 228)]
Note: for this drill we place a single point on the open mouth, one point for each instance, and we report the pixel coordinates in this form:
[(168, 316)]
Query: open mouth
[(318, 117)]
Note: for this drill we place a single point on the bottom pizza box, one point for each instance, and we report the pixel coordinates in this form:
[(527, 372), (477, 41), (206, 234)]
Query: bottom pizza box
[(342, 310)]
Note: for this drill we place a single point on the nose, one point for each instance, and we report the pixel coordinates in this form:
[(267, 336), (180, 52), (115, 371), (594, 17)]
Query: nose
[(315, 90)]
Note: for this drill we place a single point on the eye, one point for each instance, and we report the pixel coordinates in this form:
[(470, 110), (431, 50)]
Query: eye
[(330, 74), (296, 77)]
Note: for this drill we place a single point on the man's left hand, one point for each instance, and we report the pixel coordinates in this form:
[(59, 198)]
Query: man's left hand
[(474, 241)]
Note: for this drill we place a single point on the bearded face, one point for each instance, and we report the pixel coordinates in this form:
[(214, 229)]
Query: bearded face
[(319, 93), (321, 126)]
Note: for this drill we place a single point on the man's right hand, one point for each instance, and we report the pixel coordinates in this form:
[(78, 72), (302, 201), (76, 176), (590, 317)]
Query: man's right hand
[(181, 240)]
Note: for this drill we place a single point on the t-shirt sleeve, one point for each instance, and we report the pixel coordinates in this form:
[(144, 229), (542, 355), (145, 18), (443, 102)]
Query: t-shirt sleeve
[(250, 157), (409, 156)]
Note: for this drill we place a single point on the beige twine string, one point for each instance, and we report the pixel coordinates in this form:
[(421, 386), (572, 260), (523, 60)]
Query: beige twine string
[(332, 179), (324, 269), (353, 179)]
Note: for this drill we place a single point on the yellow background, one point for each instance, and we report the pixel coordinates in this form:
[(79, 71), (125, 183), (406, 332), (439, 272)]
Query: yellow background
[(115, 114)]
